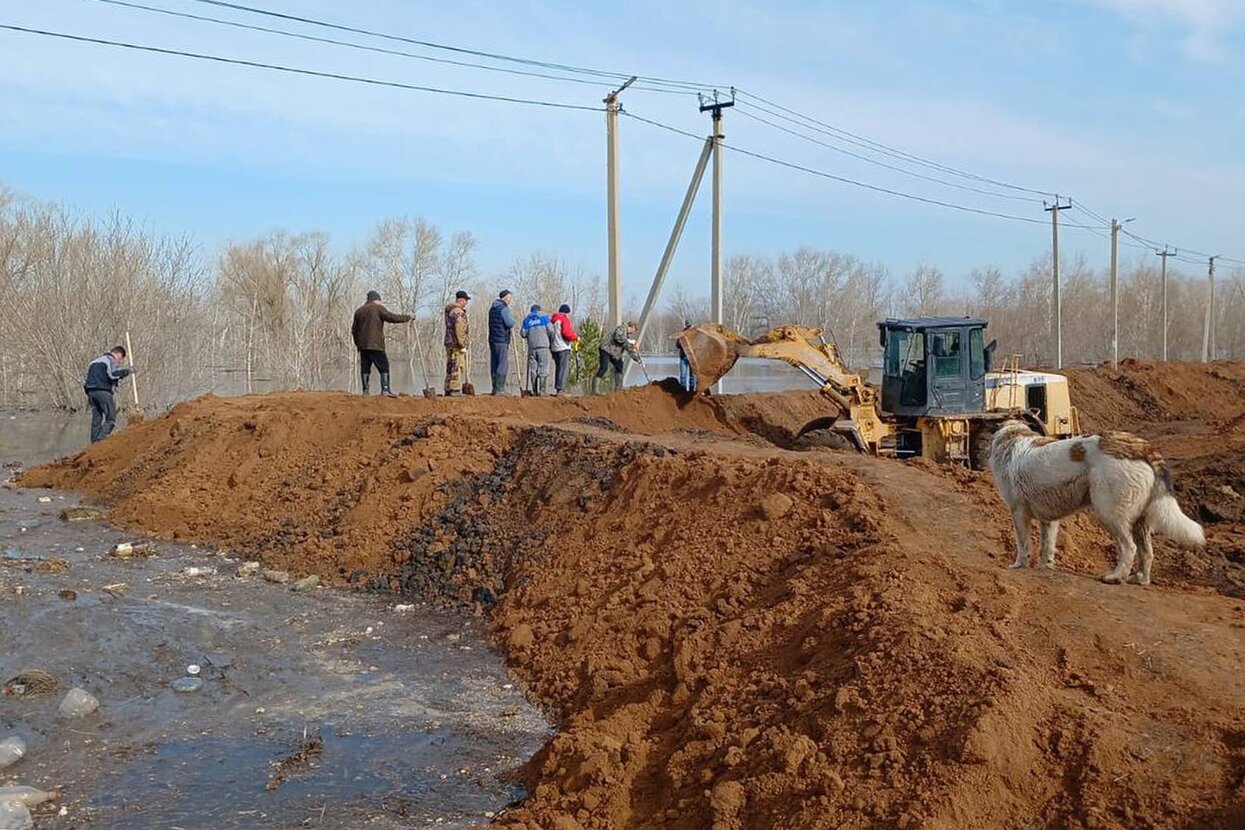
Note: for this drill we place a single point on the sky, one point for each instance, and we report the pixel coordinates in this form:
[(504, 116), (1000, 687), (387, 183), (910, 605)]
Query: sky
[(1129, 107)]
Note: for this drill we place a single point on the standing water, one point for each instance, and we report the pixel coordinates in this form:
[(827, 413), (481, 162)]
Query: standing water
[(321, 708)]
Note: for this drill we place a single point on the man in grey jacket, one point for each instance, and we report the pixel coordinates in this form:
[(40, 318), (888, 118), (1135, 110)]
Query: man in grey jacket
[(610, 354), (538, 332), (102, 376)]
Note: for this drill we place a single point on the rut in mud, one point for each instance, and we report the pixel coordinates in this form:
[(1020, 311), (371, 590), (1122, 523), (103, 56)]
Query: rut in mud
[(731, 634)]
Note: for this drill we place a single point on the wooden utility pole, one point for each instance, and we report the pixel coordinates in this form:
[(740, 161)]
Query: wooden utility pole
[(1165, 253), (612, 108), (1115, 293), (1056, 302), (1208, 331)]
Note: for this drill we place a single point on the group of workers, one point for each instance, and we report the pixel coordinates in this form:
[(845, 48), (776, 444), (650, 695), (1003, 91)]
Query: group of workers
[(551, 339), (551, 342)]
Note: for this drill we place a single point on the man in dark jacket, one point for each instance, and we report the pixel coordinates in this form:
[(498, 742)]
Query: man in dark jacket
[(500, 324), (368, 330), (102, 376)]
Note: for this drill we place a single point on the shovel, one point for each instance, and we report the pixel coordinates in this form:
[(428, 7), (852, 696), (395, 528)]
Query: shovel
[(129, 351)]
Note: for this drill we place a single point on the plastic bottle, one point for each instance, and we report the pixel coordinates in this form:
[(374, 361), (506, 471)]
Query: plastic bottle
[(29, 796), (15, 816), (11, 751), (78, 703)]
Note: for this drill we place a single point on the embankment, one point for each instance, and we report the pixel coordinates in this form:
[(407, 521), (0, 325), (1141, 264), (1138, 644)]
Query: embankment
[(730, 634)]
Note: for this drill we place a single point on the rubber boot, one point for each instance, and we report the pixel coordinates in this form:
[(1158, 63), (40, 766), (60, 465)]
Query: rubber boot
[(367, 379), (384, 386), (592, 386)]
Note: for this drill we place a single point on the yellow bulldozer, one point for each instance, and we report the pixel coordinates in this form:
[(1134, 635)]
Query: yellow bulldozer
[(940, 396)]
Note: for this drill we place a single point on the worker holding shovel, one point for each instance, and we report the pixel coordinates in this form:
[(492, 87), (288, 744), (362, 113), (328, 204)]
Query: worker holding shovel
[(102, 376), (368, 331), (611, 352)]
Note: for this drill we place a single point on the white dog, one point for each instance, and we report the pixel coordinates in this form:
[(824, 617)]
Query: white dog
[(1122, 477)]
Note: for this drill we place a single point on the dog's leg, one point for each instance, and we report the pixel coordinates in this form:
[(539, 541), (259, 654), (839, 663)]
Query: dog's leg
[(1020, 519), (1046, 553), (1141, 536), (1127, 550)]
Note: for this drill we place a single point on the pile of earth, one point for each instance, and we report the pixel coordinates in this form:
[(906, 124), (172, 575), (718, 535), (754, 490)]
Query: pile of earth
[(730, 634)]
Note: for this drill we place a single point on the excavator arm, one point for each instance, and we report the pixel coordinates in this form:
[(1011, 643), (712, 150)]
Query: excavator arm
[(712, 351)]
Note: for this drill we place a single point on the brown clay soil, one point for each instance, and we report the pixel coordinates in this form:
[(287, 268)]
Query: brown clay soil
[(735, 634)]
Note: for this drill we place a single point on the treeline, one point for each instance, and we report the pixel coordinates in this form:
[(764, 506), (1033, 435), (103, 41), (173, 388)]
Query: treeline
[(275, 312)]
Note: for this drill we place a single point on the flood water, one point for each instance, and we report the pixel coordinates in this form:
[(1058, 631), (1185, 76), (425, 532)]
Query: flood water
[(410, 715)]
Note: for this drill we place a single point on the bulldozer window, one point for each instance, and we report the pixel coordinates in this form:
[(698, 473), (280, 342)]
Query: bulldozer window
[(976, 354), (945, 349), (904, 352)]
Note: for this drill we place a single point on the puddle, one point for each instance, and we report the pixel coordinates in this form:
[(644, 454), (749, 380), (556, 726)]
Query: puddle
[(420, 723)]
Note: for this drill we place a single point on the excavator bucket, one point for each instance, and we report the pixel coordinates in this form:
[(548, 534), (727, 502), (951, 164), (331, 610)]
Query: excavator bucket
[(711, 350)]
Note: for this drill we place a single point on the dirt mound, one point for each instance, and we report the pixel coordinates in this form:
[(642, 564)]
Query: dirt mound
[(731, 635), (1143, 393)]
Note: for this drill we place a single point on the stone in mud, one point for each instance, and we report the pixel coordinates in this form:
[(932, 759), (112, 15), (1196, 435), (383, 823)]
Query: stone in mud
[(78, 703), (81, 514), (186, 685), (247, 569), (279, 577), (775, 506), (130, 550), (305, 584)]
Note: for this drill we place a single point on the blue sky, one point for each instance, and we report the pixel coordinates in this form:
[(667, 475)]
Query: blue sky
[(1132, 107)]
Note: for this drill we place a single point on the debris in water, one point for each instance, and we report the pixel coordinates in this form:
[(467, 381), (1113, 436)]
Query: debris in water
[(15, 555), (78, 703), (195, 571), (248, 569), (305, 584), (15, 816), (187, 684), (45, 500), (301, 760), (129, 550), (29, 683), (81, 514), (193, 669), (67, 594), (27, 796), (12, 750)]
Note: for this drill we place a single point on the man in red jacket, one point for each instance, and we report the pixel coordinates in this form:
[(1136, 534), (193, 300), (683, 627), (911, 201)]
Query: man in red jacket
[(565, 338)]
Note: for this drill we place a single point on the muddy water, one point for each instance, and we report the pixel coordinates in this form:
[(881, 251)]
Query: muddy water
[(417, 721)]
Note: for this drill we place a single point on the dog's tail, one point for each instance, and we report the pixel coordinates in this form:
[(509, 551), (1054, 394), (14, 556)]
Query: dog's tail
[(1164, 514)]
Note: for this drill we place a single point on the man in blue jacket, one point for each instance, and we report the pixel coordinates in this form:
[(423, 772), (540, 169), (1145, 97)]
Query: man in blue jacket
[(102, 376), (500, 322)]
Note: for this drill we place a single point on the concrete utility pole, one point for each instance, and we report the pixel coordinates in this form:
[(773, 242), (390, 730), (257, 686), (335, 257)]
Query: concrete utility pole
[(672, 245), (1208, 331), (1115, 293), (715, 295), (1056, 302), (1165, 253), (612, 108)]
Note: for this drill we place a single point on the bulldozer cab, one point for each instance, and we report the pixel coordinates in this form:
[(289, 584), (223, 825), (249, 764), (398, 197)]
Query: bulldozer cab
[(933, 366)]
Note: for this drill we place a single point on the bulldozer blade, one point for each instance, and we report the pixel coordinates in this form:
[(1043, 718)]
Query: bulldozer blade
[(711, 350)]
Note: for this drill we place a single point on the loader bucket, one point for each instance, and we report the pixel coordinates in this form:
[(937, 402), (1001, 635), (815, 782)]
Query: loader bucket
[(711, 350)]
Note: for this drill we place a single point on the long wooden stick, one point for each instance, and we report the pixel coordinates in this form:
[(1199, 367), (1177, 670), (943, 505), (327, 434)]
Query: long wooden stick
[(129, 352)]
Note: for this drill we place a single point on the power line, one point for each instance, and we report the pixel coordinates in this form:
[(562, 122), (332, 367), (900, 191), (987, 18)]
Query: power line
[(297, 71), (845, 180), (614, 76), (886, 149), (377, 49), (884, 164)]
